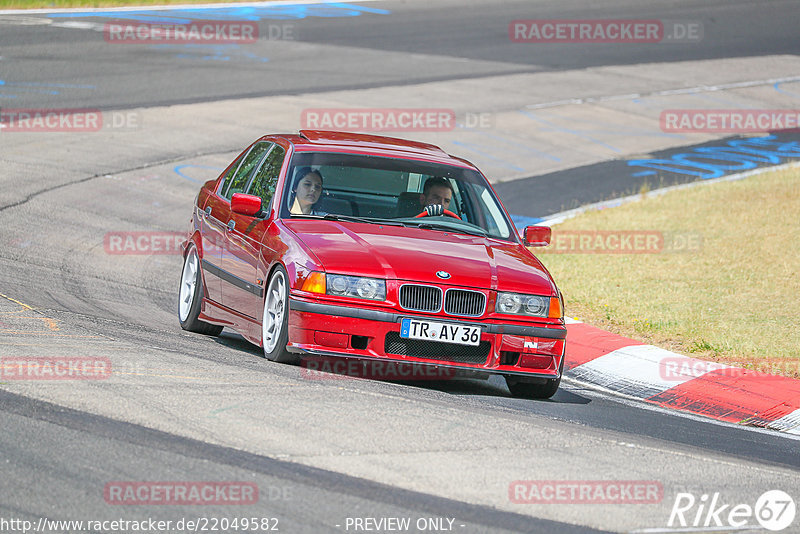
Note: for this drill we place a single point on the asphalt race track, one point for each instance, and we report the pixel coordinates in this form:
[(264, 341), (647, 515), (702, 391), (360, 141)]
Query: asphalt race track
[(326, 452)]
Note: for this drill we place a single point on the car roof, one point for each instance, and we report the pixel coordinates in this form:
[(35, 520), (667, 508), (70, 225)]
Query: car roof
[(375, 144)]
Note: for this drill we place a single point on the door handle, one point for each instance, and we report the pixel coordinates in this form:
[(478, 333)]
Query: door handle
[(231, 225)]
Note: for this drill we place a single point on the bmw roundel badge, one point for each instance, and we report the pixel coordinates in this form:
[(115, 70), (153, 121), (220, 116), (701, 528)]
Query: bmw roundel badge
[(444, 275)]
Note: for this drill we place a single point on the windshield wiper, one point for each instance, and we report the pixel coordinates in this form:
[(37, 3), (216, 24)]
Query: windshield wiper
[(350, 218), (369, 220), (446, 228)]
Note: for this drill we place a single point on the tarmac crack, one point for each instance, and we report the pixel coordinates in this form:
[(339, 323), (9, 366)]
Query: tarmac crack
[(120, 171)]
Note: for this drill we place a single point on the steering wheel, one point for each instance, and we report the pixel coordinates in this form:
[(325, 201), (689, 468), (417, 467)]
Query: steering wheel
[(436, 209)]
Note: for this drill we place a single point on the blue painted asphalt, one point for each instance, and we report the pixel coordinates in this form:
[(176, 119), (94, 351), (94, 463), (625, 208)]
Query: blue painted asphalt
[(186, 15)]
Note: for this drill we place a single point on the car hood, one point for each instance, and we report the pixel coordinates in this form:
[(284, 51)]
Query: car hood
[(414, 254)]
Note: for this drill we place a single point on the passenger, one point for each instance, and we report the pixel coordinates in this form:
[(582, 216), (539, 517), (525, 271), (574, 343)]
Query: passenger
[(307, 192)]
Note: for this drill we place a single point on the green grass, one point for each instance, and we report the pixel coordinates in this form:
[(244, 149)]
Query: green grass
[(46, 4), (736, 299)]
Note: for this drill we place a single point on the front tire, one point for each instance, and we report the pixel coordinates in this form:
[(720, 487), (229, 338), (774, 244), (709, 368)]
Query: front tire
[(190, 295), (535, 390), (527, 390), (275, 321)]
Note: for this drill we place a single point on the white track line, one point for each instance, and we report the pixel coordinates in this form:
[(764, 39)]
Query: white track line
[(666, 92), (176, 6)]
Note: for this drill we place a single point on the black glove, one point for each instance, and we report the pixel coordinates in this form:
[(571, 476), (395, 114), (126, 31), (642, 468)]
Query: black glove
[(434, 209)]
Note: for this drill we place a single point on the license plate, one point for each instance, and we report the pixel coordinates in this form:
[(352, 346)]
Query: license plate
[(443, 332)]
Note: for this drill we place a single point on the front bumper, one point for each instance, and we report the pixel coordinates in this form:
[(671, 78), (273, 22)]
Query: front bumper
[(323, 329)]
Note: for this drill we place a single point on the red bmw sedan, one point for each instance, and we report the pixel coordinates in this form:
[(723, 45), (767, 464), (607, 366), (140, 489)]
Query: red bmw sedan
[(331, 244)]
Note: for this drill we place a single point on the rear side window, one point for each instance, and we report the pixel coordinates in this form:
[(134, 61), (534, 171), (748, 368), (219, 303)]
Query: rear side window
[(238, 184), (226, 182), (266, 177)]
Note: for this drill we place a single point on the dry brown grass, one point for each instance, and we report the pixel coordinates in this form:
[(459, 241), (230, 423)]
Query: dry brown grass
[(735, 300)]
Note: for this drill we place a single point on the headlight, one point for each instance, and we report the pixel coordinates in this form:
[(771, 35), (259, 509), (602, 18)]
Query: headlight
[(521, 304), (356, 286)]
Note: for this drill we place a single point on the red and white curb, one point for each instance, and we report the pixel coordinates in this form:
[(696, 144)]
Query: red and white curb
[(675, 381)]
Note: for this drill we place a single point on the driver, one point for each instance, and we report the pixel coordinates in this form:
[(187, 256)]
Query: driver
[(437, 193)]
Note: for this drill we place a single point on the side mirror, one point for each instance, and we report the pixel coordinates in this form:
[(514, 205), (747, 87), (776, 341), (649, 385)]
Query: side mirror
[(537, 236), (249, 205)]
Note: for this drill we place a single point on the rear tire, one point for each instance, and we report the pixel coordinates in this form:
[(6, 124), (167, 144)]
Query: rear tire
[(190, 295), (275, 321)]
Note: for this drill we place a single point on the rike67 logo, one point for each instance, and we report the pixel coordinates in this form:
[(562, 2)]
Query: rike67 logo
[(774, 510)]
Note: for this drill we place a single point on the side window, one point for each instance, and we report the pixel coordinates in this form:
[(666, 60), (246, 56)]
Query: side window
[(267, 175), (239, 182), (226, 182)]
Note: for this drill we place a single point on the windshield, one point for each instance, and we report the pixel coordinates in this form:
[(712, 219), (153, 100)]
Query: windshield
[(381, 189)]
